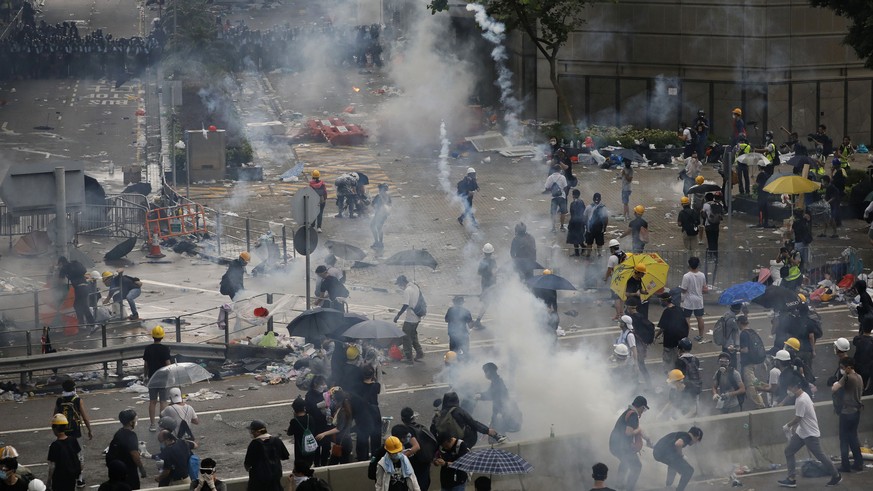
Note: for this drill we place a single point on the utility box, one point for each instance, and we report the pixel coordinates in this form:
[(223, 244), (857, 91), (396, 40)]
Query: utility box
[(132, 174), (206, 154)]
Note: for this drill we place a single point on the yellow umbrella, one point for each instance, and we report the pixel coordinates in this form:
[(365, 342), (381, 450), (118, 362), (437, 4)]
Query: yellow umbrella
[(791, 185), (654, 279)]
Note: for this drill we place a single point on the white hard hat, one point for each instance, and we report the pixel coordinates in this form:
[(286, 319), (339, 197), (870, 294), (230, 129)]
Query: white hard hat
[(783, 355), (614, 243), (842, 344), (628, 321), (95, 275), (36, 485), (621, 350), (488, 248), (471, 170)]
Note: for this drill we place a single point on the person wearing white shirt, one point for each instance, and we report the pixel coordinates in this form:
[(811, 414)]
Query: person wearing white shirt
[(556, 184), (411, 295), (693, 287), (805, 432)]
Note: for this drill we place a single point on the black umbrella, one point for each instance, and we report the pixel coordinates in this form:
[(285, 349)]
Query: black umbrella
[(315, 323), (778, 298), (373, 329), (362, 264), (413, 257), (798, 161), (345, 251), (703, 188), (142, 188), (363, 180), (351, 318), (526, 264), (628, 154), (120, 250), (550, 282)]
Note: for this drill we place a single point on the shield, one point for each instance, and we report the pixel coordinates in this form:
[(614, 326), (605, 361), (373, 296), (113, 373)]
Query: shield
[(550, 282), (791, 185), (412, 257), (345, 251), (706, 187), (654, 279), (753, 159), (178, 375), (120, 250), (743, 292), (315, 323), (778, 298), (492, 461), (373, 329)]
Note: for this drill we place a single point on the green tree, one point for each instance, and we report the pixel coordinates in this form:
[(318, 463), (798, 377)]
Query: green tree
[(860, 35), (548, 24)]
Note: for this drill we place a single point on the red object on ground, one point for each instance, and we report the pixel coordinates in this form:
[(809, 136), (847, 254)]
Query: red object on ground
[(336, 131), (349, 109), (261, 312), (213, 128), (847, 282), (394, 353)]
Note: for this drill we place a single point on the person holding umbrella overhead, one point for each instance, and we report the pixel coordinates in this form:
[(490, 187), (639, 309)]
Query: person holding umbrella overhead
[(636, 289)]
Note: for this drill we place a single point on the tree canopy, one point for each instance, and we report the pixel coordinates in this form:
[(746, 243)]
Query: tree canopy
[(860, 35)]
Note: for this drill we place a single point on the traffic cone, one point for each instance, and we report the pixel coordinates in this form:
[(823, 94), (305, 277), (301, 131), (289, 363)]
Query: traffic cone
[(155, 248)]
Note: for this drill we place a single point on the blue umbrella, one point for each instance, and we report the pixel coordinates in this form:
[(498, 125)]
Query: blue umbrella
[(743, 292)]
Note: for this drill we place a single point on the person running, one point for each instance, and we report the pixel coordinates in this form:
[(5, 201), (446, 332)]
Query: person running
[(555, 184), (674, 328), (155, 357), (668, 451), (804, 431), (467, 188), (232, 282), (70, 405), (382, 208), (320, 188), (576, 227), (504, 412), (487, 272), (454, 420), (616, 257), (693, 287), (411, 297), (523, 250), (638, 229), (626, 442)]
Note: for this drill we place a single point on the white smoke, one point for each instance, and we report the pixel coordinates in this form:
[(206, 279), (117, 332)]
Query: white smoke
[(494, 32)]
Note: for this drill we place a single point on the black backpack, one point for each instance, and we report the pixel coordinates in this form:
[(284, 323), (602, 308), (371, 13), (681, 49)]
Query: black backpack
[(270, 467), (426, 441), (716, 213), (224, 286), (690, 366), (69, 407), (420, 308), (757, 353), (644, 329), (621, 255)]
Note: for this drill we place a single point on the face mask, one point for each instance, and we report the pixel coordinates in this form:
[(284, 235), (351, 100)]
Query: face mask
[(722, 368), (299, 479), (395, 457), (2, 475), (842, 372)]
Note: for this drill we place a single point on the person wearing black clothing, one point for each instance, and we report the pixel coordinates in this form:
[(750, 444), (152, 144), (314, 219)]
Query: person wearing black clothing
[(701, 126), (863, 343), (297, 426), (634, 289), (11, 480), (123, 287), (315, 409), (504, 412), (467, 187), (263, 459), (74, 272), (452, 403), (176, 454), (419, 443), (626, 441), (763, 198), (487, 272), (368, 417), (689, 223), (832, 197), (331, 293), (576, 227), (673, 326), (63, 458), (522, 248), (351, 375), (802, 228), (450, 450), (117, 478), (668, 451), (156, 356), (459, 320), (125, 447), (233, 280)]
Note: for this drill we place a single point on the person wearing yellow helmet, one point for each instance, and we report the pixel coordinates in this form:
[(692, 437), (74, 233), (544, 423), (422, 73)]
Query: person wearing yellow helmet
[(635, 289), (232, 282), (638, 229), (64, 467), (395, 467), (123, 287), (155, 357), (320, 188), (688, 221), (738, 126)]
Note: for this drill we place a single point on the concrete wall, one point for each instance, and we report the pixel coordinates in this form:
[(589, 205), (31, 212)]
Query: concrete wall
[(752, 438)]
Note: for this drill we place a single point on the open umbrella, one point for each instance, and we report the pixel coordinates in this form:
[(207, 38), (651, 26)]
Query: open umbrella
[(345, 251), (373, 329), (492, 461), (778, 298), (33, 243), (753, 158), (798, 161), (654, 279), (791, 185), (315, 323), (550, 282), (178, 375), (142, 188), (628, 154), (120, 250), (706, 187), (777, 176), (412, 257), (743, 292), (351, 318)]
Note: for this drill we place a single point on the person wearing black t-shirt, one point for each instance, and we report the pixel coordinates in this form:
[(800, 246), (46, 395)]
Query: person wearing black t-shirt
[(673, 327), (599, 471), (668, 451)]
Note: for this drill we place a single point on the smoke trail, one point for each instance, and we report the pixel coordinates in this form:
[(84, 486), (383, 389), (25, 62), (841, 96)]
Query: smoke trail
[(443, 162), (494, 32)]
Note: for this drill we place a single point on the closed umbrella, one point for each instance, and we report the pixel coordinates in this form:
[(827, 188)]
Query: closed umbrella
[(373, 329), (653, 280), (315, 323), (743, 292), (178, 375)]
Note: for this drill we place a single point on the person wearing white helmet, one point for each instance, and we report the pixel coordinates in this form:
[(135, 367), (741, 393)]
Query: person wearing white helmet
[(846, 394), (488, 275), (776, 388), (628, 339), (616, 257), (841, 351), (467, 187)]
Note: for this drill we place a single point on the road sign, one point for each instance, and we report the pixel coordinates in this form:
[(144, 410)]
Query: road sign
[(300, 241), (312, 200)]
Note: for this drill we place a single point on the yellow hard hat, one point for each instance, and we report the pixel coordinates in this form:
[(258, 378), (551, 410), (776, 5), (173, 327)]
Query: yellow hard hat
[(698, 179), (793, 343), (158, 332), (352, 352), (393, 445), (316, 174), (675, 375), (685, 200), (107, 274), (59, 419), (737, 111), (450, 357), (639, 209), (547, 271), (245, 256), (640, 268)]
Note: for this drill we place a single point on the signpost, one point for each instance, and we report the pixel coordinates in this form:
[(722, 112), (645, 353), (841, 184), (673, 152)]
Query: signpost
[(304, 210)]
